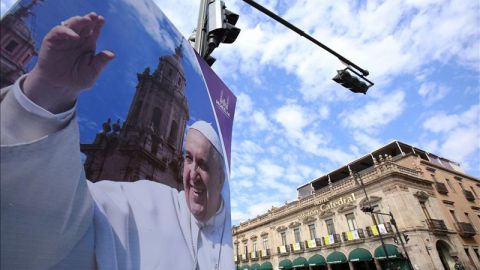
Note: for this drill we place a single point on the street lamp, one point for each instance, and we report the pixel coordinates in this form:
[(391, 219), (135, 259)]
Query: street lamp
[(369, 209)]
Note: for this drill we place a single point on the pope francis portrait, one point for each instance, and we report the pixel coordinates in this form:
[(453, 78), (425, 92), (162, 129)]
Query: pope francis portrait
[(53, 218)]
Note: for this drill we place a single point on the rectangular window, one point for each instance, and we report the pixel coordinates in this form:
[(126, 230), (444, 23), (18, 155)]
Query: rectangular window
[(254, 246), (461, 186), (425, 211), (246, 249), (469, 257), (473, 190), (469, 220), (265, 243), (475, 250), (330, 226), (450, 185), (352, 224), (311, 229), (296, 233), (454, 217), (378, 218), (284, 238)]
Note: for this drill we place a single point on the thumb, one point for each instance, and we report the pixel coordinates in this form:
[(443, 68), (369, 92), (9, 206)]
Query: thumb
[(102, 58)]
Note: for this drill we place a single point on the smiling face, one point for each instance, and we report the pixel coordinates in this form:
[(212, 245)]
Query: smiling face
[(202, 176)]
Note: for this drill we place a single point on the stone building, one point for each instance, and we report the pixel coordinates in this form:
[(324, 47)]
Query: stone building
[(17, 46), (149, 144), (435, 206)]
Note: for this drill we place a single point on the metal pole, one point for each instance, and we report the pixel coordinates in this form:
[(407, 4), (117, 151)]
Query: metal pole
[(303, 34), (200, 35), (394, 222), (389, 263)]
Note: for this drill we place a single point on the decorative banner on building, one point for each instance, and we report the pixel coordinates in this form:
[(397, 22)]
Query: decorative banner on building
[(283, 249), (296, 247), (381, 229), (155, 112), (311, 243), (263, 252), (353, 235), (330, 239)]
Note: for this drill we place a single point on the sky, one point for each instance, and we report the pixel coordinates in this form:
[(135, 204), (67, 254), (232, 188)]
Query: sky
[(294, 124)]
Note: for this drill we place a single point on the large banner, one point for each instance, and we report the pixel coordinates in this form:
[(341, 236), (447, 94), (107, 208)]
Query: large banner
[(156, 112)]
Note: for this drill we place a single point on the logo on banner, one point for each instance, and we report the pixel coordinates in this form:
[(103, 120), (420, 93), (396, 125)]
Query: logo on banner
[(222, 104)]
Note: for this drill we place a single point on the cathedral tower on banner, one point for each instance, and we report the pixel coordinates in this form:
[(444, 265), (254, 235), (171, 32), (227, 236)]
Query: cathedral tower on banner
[(149, 144)]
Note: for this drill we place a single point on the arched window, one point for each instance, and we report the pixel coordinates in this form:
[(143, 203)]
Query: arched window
[(172, 138), (156, 117)]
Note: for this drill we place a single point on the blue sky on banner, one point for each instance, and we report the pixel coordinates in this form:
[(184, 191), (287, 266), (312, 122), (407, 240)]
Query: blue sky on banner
[(293, 123)]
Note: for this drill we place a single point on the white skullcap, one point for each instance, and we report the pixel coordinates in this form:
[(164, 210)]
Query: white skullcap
[(209, 132)]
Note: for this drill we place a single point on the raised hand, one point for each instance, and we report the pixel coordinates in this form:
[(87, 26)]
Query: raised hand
[(67, 63)]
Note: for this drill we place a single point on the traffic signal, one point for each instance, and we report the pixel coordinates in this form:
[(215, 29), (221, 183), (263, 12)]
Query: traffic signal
[(406, 237), (351, 82), (367, 209), (221, 25)]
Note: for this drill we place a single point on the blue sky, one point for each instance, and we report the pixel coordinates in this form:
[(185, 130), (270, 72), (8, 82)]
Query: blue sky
[(294, 124)]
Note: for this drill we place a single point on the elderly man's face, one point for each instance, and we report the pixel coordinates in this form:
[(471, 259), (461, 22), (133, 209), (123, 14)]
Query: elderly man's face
[(202, 176)]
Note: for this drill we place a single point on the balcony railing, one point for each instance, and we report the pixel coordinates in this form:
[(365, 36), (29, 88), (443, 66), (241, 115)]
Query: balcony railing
[(465, 229), (313, 243), (283, 249), (244, 257), (385, 228), (331, 239), (437, 225), (254, 255), (265, 253), (353, 235), (441, 188), (469, 195), (297, 247)]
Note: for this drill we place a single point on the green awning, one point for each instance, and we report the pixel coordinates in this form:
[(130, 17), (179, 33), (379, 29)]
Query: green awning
[(255, 266), (245, 267), (336, 257), (266, 266), (317, 260), (300, 262), (285, 264), (392, 251), (359, 255)]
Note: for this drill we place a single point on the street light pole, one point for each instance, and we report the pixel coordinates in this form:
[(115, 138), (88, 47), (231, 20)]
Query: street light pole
[(356, 175), (200, 35), (401, 239)]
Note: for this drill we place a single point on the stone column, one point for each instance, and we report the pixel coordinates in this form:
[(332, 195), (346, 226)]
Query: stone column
[(329, 266), (351, 266), (377, 264)]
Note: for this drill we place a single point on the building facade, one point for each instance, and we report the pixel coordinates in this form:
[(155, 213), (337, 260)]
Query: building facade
[(149, 144), (17, 46), (432, 202)]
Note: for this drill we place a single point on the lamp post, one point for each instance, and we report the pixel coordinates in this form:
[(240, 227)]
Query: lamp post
[(369, 209)]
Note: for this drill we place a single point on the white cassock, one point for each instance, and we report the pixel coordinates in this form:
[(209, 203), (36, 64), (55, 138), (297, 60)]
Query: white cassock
[(52, 218)]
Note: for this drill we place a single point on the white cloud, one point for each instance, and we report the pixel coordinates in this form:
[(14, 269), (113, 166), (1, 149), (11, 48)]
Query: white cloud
[(376, 113), (432, 92), (457, 135)]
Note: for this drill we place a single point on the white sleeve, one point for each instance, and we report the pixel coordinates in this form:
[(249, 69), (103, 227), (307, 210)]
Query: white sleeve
[(46, 208)]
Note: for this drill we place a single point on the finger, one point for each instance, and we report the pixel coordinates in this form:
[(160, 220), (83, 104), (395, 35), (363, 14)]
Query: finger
[(82, 25), (101, 60), (62, 32), (96, 30)]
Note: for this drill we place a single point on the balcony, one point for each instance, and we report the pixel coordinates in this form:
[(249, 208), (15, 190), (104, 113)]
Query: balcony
[(469, 195), (244, 258), (332, 240), (283, 250), (297, 247), (441, 188), (465, 229), (384, 229), (265, 253), (354, 236), (254, 256), (437, 226), (313, 244)]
